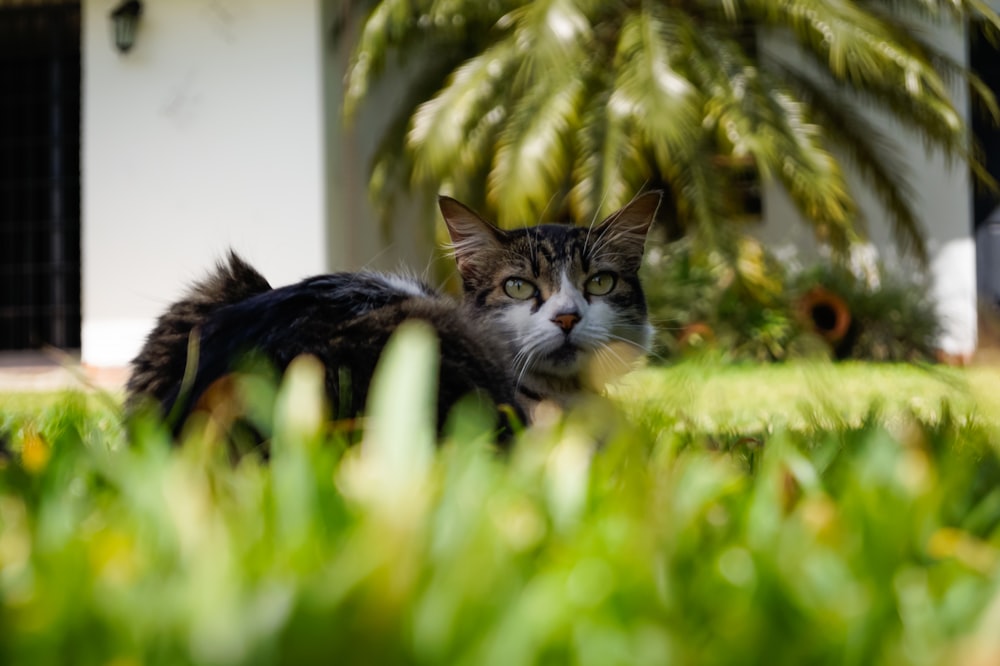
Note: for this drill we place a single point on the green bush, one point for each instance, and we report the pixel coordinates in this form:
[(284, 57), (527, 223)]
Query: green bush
[(891, 321), (750, 309), (614, 535)]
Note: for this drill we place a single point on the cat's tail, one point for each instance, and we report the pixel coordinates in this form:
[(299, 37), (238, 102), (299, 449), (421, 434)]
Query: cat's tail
[(161, 364)]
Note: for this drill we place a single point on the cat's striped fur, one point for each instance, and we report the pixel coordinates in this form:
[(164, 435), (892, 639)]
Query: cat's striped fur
[(584, 318), (562, 339)]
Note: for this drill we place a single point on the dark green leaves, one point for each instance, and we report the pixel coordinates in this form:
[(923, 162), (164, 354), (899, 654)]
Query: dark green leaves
[(570, 107)]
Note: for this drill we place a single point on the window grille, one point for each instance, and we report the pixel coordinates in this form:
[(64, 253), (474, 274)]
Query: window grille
[(39, 174)]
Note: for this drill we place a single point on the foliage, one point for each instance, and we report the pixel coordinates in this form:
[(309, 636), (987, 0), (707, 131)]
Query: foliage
[(893, 320), (618, 534), (701, 301), (553, 107)]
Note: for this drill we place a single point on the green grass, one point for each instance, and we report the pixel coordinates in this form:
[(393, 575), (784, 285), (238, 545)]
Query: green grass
[(705, 515), (709, 397)]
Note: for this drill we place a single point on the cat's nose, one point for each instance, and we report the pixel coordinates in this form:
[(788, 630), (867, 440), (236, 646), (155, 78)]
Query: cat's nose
[(566, 321)]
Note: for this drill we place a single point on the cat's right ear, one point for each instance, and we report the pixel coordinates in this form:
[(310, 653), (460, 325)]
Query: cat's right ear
[(471, 235)]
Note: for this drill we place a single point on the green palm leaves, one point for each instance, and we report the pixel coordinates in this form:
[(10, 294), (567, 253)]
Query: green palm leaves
[(527, 109)]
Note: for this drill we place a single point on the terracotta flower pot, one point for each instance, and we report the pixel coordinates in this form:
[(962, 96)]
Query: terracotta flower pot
[(826, 313), (697, 334)]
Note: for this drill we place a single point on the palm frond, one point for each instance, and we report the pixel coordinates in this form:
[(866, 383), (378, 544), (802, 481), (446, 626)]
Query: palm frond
[(608, 165), (384, 28), (932, 117), (857, 47), (402, 26), (392, 169), (442, 125), (700, 187), (533, 150), (586, 100), (756, 116), (957, 11), (871, 153), (951, 70), (549, 34), (809, 172), (648, 86)]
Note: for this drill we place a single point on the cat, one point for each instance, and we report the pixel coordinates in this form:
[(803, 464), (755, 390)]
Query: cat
[(566, 300), (548, 313)]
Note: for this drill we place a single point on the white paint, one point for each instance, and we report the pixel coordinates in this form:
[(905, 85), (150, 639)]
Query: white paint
[(942, 199), (955, 294), (113, 342), (222, 128), (208, 134)]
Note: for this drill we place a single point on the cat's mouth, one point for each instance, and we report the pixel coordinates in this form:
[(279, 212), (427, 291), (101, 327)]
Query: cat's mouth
[(567, 352), (562, 358)]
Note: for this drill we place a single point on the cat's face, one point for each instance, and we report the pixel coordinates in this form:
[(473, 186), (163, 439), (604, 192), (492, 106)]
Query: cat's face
[(567, 298)]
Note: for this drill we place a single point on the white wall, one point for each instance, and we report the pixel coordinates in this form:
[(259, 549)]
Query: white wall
[(360, 239), (209, 134), (222, 128), (942, 200)]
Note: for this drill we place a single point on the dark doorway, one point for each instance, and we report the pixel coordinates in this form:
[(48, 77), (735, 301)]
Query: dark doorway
[(984, 60), (39, 175)]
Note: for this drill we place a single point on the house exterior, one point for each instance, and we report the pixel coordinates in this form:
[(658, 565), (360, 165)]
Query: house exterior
[(220, 128), (943, 192)]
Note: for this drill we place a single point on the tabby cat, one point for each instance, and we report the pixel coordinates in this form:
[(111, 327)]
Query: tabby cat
[(549, 312)]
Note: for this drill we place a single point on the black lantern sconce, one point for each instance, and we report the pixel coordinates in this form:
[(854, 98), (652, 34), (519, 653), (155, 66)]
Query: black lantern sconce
[(125, 22)]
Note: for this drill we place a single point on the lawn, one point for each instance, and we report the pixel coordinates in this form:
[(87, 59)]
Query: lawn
[(798, 514)]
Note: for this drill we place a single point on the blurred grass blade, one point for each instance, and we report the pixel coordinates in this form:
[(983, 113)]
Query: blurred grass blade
[(398, 446)]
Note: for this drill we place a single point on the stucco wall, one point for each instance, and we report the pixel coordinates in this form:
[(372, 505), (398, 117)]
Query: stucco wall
[(209, 134), (942, 198), (222, 128)]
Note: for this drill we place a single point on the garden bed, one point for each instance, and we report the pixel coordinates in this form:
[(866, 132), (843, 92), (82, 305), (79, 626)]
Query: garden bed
[(811, 513)]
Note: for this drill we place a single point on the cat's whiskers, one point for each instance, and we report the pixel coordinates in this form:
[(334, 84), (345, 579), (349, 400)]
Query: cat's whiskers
[(607, 365), (604, 237), (600, 205), (609, 357), (527, 348), (541, 216), (627, 341), (532, 344), (533, 249), (527, 363), (644, 350), (520, 361), (610, 257)]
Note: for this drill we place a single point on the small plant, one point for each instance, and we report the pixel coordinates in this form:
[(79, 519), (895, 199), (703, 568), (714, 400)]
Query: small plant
[(751, 309), (892, 321)]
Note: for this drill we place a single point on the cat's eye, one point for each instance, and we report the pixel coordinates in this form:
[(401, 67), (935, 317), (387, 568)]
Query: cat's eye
[(519, 289), (600, 284)]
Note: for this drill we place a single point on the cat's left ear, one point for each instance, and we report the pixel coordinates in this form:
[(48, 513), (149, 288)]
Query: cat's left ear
[(471, 235), (626, 229)]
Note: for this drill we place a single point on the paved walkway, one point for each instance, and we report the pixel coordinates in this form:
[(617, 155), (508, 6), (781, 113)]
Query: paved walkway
[(55, 371)]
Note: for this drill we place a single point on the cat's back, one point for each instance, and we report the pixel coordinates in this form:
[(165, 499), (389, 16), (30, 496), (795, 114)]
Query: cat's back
[(346, 320), (343, 319), (162, 359)]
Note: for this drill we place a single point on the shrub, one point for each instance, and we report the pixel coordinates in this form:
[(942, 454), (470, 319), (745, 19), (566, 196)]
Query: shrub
[(893, 320), (753, 309)]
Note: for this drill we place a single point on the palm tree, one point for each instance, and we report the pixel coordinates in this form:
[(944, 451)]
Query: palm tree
[(524, 108)]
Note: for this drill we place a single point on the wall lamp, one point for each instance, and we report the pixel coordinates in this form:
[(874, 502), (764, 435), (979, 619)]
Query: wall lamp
[(125, 21)]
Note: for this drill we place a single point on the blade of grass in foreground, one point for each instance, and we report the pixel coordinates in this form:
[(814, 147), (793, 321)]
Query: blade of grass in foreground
[(616, 535)]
